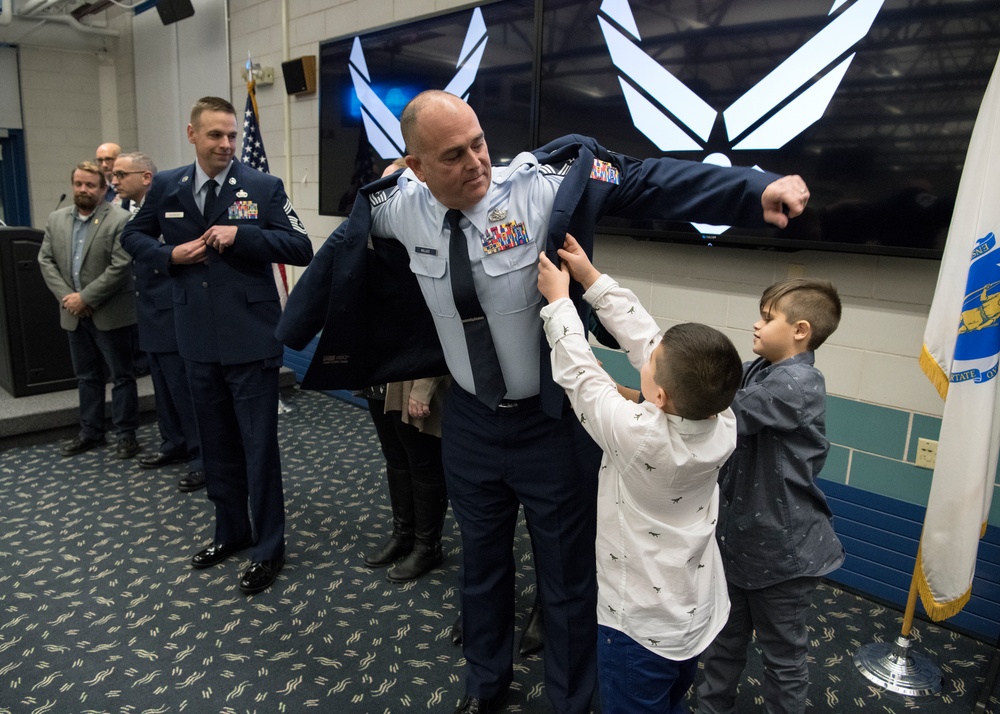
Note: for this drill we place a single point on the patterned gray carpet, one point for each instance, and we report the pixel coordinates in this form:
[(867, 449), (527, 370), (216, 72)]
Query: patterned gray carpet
[(101, 612)]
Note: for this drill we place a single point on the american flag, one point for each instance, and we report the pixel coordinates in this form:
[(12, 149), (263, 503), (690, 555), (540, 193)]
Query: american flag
[(252, 154)]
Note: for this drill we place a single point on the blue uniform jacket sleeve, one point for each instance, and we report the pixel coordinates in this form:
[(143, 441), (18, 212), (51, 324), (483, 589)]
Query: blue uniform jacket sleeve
[(306, 310), (141, 236), (674, 189)]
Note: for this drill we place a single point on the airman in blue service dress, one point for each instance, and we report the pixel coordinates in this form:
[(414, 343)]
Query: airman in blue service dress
[(225, 312), (531, 450)]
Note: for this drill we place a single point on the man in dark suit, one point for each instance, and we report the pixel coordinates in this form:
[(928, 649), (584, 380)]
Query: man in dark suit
[(511, 441), (218, 248), (132, 176), (85, 267)]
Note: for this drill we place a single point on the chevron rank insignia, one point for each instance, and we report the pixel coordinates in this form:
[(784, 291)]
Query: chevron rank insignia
[(380, 197)]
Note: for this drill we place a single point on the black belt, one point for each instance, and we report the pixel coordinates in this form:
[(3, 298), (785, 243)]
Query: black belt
[(508, 406)]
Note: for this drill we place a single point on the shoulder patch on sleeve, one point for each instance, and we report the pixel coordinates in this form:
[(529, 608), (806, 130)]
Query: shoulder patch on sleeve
[(380, 197), (294, 219), (559, 169)]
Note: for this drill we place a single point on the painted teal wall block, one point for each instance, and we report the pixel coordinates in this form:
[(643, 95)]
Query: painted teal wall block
[(835, 468), (879, 430), (891, 478), (924, 427)]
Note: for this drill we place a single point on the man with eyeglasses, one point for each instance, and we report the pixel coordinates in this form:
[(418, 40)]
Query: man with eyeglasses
[(106, 154), (132, 176)]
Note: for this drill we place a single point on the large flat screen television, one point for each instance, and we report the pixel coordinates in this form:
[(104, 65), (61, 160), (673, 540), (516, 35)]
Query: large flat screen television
[(486, 54), (871, 101)]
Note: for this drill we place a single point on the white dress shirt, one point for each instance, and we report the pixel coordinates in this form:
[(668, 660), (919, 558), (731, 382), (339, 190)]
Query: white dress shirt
[(659, 571), (506, 280)]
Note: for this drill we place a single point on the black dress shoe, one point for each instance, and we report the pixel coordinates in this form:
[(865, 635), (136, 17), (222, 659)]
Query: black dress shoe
[(475, 705), (216, 553), (127, 447), (192, 482), (81, 444), (160, 459), (260, 576)]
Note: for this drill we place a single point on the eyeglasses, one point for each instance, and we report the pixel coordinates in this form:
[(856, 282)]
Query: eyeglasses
[(120, 175)]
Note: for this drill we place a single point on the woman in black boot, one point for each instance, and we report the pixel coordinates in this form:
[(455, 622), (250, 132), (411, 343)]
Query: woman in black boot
[(416, 409), (407, 419), (397, 472)]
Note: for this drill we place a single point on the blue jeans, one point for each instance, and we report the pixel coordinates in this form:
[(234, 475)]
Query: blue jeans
[(637, 681), (91, 349)]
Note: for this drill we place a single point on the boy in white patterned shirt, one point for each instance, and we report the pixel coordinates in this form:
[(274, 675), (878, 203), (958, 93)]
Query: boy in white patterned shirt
[(662, 592)]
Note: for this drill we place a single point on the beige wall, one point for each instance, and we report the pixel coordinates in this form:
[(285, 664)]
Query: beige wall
[(62, 121)]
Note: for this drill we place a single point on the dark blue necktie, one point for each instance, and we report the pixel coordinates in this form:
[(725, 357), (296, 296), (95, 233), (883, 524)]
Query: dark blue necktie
[(486, 373), (207, 211)]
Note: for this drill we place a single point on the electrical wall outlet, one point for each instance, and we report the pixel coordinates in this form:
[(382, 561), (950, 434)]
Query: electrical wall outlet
[(926, 453)]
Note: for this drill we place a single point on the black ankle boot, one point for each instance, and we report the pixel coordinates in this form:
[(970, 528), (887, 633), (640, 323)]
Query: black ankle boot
[(424, 557), (398, 545), (400, 541)]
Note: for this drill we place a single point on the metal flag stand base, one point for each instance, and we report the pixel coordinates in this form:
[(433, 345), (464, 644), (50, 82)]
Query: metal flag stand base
[(899, 669), (896, 667)]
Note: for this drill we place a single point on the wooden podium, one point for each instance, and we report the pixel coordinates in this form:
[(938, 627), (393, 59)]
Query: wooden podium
[(34, 350)]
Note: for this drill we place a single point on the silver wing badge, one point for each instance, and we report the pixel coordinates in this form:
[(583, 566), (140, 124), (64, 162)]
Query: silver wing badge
[(679, 118), (381, 125)]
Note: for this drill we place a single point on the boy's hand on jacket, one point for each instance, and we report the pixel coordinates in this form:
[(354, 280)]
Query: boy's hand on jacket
[(580, 267), (553, 282)]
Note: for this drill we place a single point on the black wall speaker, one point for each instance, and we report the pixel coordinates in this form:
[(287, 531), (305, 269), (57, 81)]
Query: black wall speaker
[(300, 75), (173, 10)]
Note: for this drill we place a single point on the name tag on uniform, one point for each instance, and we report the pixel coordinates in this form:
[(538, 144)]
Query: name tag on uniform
[(425, 251), (174, 214), (504, 236), (243, 210), (603, 171)]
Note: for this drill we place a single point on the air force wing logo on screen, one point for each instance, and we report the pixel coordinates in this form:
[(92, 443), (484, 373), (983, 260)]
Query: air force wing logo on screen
[(381, 125), (781, 106)]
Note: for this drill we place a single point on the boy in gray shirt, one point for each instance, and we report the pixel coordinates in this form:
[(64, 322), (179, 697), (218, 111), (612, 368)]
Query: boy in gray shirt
[(775, 529)]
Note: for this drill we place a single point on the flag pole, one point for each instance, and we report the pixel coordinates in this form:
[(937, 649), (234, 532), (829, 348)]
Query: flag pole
[(278, 269), (896, 667), (960, 355)]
